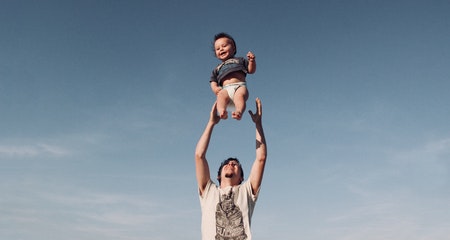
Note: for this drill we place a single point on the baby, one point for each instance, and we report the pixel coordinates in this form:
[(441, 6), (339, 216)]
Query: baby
[(228, 78)]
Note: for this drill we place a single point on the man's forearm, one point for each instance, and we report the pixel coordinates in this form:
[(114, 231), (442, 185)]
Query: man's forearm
[(261, 148), (203, 142), (201, 164)]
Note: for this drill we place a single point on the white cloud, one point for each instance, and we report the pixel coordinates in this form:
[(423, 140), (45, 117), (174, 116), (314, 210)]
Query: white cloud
[(430, 151), (74, 213), (34, 150), (438, 148), (404, 197)]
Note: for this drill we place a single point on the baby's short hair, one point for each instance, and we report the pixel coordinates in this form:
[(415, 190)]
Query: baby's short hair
[(225, 35)]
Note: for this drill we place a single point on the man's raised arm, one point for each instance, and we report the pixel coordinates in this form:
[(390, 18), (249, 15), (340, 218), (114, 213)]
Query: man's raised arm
[(257, 172), (201, 164)]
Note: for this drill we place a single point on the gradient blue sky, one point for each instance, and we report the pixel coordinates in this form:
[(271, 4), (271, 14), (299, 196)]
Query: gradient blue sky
[(102, 103)]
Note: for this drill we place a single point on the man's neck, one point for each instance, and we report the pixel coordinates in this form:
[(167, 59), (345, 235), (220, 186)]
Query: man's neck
[(228, 183)]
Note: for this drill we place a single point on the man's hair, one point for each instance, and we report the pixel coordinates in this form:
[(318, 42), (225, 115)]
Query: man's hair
[(225, 35), (225, 162)]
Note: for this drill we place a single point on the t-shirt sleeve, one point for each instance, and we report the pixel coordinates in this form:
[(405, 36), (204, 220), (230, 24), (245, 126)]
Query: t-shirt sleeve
[(214, 77), (245, 63), (207, 188), (248, 187)]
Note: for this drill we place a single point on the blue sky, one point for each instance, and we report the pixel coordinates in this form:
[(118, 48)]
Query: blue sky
[(102, 103)]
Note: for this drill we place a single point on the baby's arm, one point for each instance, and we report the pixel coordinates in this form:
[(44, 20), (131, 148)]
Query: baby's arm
[(215, 88), (251, 63)]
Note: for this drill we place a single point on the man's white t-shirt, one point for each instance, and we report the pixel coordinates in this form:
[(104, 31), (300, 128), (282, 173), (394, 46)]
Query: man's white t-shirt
[(227, 213)]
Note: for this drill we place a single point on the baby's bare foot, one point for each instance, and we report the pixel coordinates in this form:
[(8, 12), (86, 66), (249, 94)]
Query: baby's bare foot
[(237, 115), (224, 115)]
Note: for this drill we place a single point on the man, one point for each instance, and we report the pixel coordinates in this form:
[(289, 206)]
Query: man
[(227, 209)]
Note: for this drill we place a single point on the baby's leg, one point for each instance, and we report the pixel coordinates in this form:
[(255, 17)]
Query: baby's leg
[(240, 98), (222, 102)]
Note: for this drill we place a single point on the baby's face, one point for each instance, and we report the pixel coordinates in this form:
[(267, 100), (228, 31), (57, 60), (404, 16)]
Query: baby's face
[(224, 48)]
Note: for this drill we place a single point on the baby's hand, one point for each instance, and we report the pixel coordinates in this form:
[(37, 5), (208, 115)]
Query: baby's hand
[(250, 56), (217, 90)]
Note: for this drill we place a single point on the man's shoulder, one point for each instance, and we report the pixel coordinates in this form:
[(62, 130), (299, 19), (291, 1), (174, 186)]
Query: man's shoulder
[(210, 186)]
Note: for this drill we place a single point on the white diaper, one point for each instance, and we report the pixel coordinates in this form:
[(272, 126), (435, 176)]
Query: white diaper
[(231, 89)]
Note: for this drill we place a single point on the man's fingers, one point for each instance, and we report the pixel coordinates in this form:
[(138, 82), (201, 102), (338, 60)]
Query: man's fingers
[(214, 107), (258, 109), (258, 105)]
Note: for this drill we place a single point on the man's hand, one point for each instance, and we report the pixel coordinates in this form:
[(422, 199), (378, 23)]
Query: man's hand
[(214, 118), (256, 117)]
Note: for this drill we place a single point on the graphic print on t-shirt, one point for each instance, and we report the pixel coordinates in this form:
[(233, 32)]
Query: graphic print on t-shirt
[(231, 63), (229, 223)]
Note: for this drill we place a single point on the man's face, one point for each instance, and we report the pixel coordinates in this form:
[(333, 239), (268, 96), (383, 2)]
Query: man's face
[(231, 170)]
